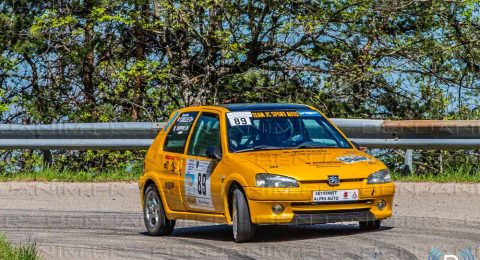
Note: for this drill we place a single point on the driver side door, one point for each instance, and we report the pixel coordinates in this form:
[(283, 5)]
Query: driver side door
[(202, 187)]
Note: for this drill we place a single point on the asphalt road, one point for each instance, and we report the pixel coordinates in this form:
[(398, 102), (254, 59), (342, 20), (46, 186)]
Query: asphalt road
[(104, 221)]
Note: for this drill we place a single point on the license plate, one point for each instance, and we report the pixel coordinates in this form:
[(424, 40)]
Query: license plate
[(335, 195)]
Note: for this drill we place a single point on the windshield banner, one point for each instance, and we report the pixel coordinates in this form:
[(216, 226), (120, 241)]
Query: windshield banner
[(275, 114)]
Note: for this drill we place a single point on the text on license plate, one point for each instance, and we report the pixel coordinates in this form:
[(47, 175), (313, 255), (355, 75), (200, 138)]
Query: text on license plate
[(335, 195)]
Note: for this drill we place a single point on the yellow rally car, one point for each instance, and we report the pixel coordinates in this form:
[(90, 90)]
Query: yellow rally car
[(256, 164)]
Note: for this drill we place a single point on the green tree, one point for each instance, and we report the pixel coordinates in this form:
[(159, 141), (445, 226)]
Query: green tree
[(138, 60)]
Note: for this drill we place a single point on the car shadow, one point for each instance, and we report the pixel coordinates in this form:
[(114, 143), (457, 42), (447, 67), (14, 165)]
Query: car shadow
[(273, 233)]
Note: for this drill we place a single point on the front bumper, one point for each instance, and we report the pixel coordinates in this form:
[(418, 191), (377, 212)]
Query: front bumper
[(300, 209)]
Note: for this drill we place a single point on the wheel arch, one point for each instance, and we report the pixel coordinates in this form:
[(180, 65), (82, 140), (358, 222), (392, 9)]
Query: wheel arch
[(148, 183), (231, 188), (152, 180), (230, 184)]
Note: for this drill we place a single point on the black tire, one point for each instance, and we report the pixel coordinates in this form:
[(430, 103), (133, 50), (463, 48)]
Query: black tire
[(370, 225), (243, 228), (156, 221)]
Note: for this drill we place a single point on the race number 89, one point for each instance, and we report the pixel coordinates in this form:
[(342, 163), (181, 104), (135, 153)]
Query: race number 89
[(202, 184), (240, 121)]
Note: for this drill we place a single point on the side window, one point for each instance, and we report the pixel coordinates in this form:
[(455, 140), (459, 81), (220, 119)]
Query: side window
[(206, 135), (170, 121), (177, 137)]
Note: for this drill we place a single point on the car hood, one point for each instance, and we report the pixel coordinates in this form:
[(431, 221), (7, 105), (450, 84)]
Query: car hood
[(315, 164)]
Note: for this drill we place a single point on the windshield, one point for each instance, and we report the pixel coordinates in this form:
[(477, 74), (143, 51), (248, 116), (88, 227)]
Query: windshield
[(248, 131)]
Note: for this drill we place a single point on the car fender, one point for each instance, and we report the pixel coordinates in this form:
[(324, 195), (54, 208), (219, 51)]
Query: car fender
[(153, 176), (234, 177)]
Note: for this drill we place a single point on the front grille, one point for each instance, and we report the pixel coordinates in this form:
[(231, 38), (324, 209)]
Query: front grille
[(326, 181)]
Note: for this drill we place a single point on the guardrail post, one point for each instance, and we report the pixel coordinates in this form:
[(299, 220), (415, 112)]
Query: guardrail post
[(408, 161), (47, 158), (440, 162)]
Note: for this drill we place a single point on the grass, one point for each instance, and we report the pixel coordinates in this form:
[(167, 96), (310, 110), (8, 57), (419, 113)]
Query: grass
[(51, 174), (449, 175), (11, 252)]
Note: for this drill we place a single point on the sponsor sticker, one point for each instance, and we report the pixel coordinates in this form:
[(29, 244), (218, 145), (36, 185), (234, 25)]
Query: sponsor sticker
[(353, 159), (309, 113), (170, 163), (186, 118), (335, 195), (270, 114), (180, 128)]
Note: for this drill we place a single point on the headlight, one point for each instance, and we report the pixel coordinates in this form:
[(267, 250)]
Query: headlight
[(275, 181), (382, 176)]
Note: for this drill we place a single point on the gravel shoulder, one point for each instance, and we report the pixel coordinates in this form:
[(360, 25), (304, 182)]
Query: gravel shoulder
[(104, 221)]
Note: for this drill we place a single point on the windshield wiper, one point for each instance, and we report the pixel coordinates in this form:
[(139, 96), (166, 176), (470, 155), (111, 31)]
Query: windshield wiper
[(262, 147), (306, 146), (269, 147)]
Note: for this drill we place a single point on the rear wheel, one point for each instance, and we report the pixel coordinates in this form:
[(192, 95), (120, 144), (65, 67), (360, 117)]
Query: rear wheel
[(370, 225), (243, 228), (156, 221)]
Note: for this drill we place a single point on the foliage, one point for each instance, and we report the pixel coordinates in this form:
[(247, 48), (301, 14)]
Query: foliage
[(138, 60), (54, 174), (10, 252), (87, 163)]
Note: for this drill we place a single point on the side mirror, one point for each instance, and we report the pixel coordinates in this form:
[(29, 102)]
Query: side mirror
[(358, 147), (213, 152)]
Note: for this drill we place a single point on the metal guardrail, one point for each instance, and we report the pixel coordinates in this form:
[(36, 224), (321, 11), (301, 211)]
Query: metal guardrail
[(124, 130), (76, 144), (413, 134)]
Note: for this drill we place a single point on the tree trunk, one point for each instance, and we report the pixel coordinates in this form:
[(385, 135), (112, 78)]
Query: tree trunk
[(88, 60), (139, 87), (36, 96)]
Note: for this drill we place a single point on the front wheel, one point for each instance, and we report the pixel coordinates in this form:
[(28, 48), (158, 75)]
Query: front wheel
[(370, 225), (156, 221), (243, 228)]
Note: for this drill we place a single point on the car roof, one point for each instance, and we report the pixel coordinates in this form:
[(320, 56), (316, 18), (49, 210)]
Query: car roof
[(264, 106)]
